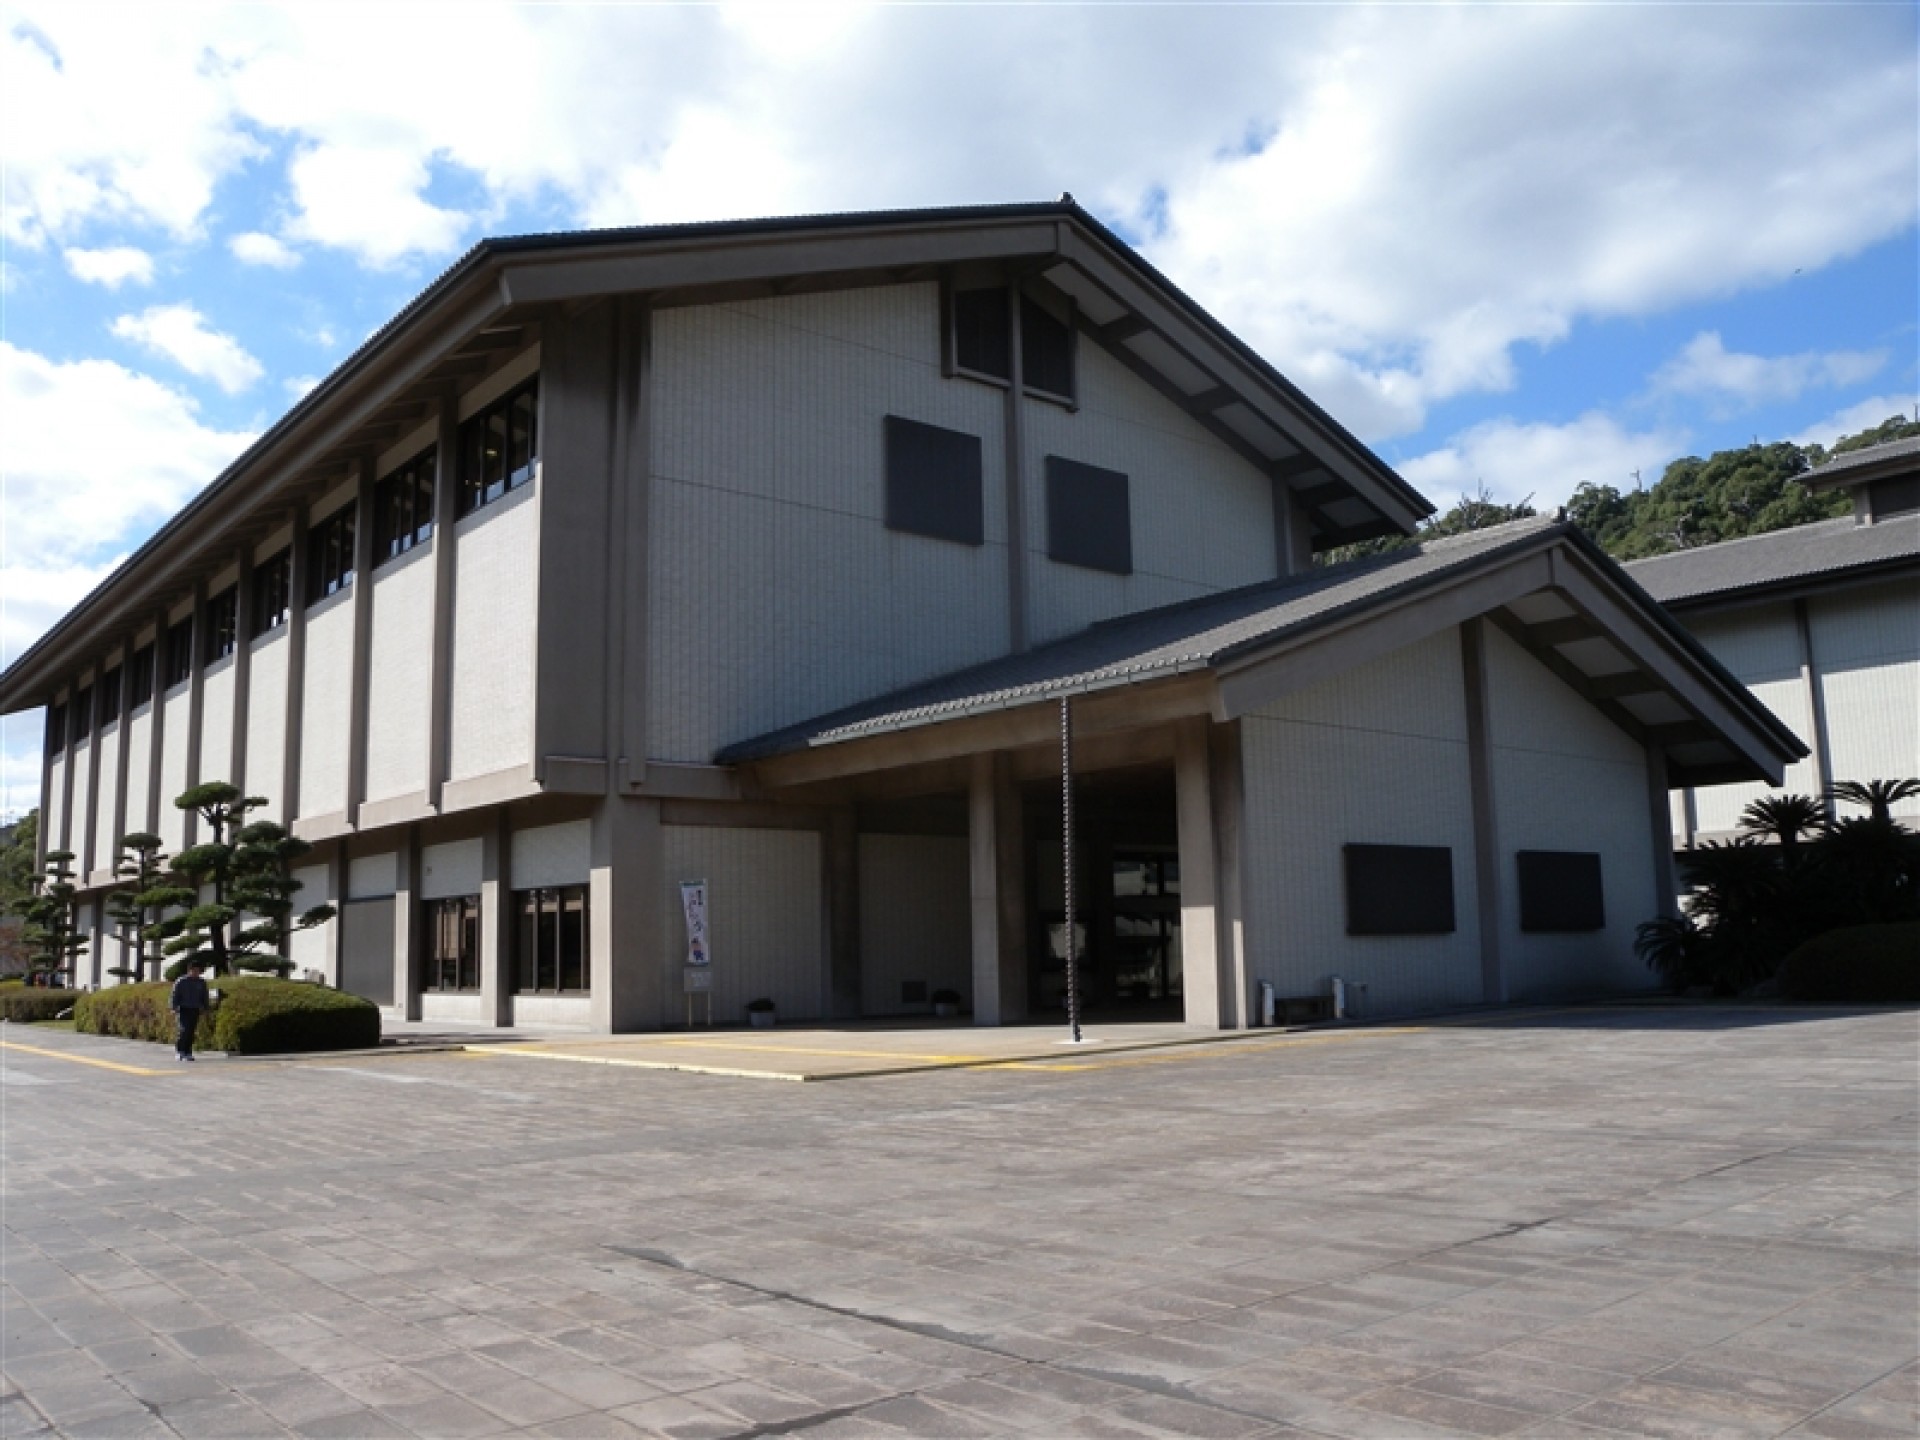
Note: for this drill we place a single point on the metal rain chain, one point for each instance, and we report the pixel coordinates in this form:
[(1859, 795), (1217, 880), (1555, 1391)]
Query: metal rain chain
[(1066, 837)]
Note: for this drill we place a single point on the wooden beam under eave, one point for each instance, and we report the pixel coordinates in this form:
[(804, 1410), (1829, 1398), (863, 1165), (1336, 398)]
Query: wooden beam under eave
[(1315, 496), (1208, 401), (1118, 332), (1568, 630), (1571, 675), (1633, 682)]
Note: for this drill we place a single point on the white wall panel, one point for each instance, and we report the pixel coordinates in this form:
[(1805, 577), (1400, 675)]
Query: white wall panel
[(450, 869), (313, 949), (915, 919), (1375, 756), (139, 766), (552, 855), (1867, 645), (400, 676), (371, 876), (82, 806), (173, 769), (1567, 778), (216, 723), (494, 590), (777, 593), (1202, 517), (765, 924), (106, 797), (267, 723), (325, 699)]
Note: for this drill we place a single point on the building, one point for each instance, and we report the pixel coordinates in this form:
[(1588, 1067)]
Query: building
[(766, 554), (1822, 622)]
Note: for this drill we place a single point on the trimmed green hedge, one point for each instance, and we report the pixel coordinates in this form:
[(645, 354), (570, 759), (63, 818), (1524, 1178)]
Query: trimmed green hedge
[(1870, 964), (23, 1004), (254, 1015)]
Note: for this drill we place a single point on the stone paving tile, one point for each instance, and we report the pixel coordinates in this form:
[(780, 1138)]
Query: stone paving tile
[(1686, 1225)]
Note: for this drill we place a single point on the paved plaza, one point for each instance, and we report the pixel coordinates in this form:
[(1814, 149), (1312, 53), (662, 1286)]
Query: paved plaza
[(1653, 1220)]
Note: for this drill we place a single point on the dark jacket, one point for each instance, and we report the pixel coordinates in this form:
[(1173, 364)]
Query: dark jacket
[(189, 993)]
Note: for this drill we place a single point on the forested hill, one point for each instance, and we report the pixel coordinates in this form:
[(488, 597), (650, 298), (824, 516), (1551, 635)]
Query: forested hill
[(1696, 502)]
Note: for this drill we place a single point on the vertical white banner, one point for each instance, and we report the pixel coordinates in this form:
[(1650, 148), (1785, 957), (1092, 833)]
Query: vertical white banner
[(693, 904)]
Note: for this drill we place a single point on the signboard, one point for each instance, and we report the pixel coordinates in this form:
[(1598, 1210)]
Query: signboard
[(697, 980), (693, 904)]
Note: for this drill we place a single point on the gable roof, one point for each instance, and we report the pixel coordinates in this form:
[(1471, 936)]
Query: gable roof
[(1867, 463), (1606, 638), (482, 310), (1754, 566)]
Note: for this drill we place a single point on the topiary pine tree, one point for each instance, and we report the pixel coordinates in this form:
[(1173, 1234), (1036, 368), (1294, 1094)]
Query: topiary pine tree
[(149, 891), (52, 930), (243, 870), (263, 889)]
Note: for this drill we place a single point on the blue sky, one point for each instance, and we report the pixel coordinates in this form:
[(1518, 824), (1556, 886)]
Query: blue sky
[(1518, 247)]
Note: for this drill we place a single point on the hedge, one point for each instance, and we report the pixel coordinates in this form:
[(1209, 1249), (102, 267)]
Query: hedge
[(23, 1004), (1871, 964), (252, 1015)]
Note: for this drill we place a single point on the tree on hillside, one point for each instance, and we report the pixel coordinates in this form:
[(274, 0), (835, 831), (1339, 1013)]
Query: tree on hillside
[(1478, 511), (1730, 494)]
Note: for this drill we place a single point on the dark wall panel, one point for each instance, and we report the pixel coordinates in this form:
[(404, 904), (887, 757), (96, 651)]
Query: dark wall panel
[(1560, 891), (933, 482), (366, 949), (1089, 519), (1399, 889)]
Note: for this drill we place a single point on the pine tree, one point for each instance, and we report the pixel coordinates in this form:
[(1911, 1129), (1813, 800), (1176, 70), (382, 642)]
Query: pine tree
[(148, 891), (52, 912)]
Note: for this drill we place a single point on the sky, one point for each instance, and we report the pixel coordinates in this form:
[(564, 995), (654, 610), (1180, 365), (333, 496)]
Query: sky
[(1514, 248)]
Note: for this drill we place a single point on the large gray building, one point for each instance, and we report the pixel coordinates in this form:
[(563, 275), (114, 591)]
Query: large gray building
[(765, 555)]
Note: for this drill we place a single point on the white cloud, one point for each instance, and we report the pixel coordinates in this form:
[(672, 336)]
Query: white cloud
[(256, 248), (181, 334), (1547, 463), (1705, 367), (299, 385), (111, 267), (1863, 415), (79, 492)]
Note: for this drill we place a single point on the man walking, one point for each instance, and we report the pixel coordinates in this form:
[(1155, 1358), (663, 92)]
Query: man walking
[(189, 999)]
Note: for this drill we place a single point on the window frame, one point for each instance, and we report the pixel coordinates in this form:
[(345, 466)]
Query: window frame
[(272, 593), (180, 652), (403, 507), (143, 671), (475, 487), (330, 545), (222, 624), (954, 334), (456, 916), (531, 968)]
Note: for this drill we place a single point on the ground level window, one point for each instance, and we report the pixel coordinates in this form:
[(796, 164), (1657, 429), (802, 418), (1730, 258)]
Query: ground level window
[(551, 957), (453, 928)]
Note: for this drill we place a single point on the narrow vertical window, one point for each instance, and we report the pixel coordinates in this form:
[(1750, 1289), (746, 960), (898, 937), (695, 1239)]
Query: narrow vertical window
[(553, 954), (499, 447), (142, 675), (82, 714), (272, 592), (108, 696), (330, 554), (56, 729), (403, 508), (223, 623), (179, 652)]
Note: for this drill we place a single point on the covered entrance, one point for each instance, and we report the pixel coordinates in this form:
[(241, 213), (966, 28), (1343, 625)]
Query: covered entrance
[(1126, 901)]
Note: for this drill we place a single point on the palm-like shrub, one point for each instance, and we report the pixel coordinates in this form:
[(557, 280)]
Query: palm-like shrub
[(1879, 796)]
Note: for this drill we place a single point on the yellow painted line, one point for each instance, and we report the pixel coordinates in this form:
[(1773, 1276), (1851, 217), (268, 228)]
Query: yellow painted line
[(691, 1067), (86, 1060)]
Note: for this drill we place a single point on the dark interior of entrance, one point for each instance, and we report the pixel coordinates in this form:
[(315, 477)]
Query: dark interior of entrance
[(1126, 895)]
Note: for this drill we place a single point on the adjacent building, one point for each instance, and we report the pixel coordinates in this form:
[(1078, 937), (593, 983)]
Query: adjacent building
[(1822, 622), (784, 557)]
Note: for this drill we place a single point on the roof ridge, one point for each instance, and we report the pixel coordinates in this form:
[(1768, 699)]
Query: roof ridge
[(1834, 522)]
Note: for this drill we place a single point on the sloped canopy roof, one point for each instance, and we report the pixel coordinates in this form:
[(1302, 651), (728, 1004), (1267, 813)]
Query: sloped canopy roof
[(1824, 553), (1541, 580), (487, 307)]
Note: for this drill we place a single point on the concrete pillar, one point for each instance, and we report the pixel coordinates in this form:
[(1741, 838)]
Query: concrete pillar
[(996, 842), (296, 688), (1489, 877), (1813, 695), (362, 670), (496, 920), (156, 727), (840, 851), (1666, 890), (624, 920), (196, 711), (242, 670), (1229, 818), (1203, 921), (408, 956)]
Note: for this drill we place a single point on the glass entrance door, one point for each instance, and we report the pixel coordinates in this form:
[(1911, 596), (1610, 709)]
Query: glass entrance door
[(1146, 924)]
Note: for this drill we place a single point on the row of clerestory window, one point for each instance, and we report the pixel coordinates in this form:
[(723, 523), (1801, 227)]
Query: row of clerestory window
[(499, 453)]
